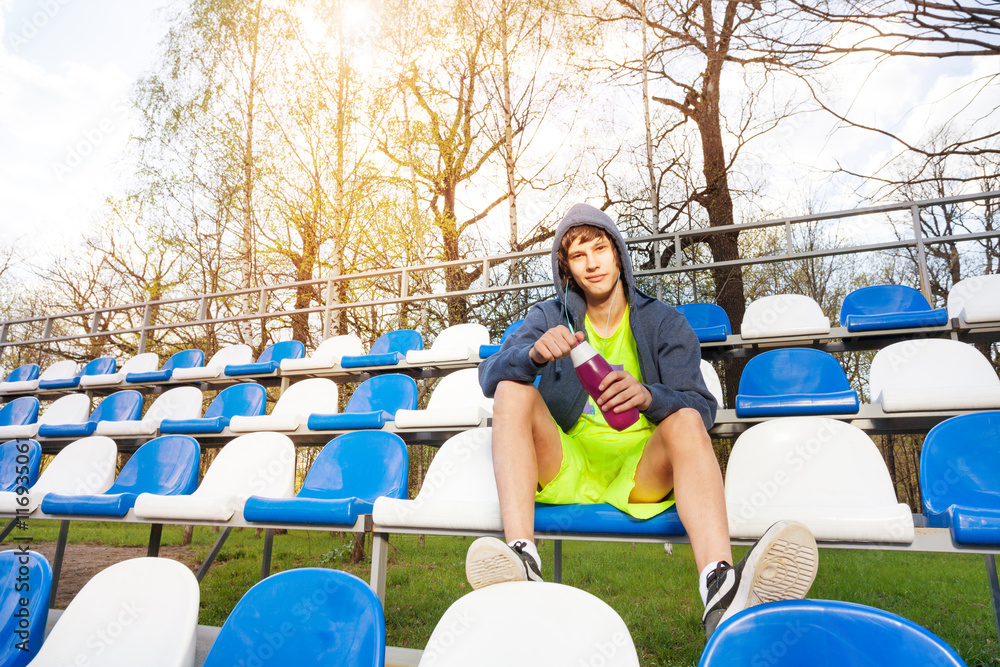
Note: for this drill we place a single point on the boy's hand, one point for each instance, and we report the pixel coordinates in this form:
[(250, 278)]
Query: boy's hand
[(620, 391), (554, 344)]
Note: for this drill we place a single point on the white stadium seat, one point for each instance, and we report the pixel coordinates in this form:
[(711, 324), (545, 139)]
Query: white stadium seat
[(933, 374), (784, 315), (824, 473), (255, 464)]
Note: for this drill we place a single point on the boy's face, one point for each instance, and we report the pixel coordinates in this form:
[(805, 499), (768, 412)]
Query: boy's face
[(594, 267)]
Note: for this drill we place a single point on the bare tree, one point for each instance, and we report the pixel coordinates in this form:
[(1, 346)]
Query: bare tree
[(699, 48), (451, 141), (915, 30)]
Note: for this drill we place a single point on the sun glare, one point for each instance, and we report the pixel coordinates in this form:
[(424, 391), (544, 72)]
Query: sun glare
[(360, 20)]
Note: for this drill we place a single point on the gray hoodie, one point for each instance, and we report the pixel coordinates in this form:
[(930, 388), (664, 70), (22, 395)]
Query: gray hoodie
[(669, 353)]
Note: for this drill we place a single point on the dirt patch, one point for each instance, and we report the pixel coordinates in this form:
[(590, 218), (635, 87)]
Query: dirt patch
[(82, 561)]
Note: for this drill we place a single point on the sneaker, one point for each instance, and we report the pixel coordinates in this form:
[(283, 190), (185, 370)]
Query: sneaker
[(781, 565), (491, 561)]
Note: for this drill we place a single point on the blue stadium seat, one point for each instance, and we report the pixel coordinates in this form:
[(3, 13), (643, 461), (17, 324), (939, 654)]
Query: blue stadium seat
[(14, 456), (709, 321), (823, 633), (960, 477), (303, 617), (388, 350), (270, 359), (24, 599), (601, 518), (22, 373), (166, 466), (95, 367), (248, 399), (68, 409), (350, 472), (889, 307), (59, 370), (19, 412), (794, 381), (184, 359), (372, 404), (140, 363), (487, 350), (120, 406), (83, 466)]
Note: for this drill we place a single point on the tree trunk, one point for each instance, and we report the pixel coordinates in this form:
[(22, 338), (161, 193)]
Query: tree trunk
[(508, 114), (718, 203), (358, 553), (304, 267), (654, 191)]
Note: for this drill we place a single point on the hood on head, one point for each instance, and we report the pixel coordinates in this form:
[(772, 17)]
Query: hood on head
[(585, 214)]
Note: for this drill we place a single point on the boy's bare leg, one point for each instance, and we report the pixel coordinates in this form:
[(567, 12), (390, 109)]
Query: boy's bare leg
[(527, 452), (679, 456)]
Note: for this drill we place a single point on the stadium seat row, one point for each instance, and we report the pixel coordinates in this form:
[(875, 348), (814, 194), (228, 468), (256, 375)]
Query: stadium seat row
[(921, 375), (463, 342), (878, 308), (145, 610), (825, 473), (307, 405)]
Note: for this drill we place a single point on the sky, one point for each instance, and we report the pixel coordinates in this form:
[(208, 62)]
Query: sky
[(66, 71), (67, 68)]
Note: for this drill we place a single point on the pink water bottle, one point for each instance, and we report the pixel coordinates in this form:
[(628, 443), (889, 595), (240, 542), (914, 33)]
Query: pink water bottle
[(591, 369)]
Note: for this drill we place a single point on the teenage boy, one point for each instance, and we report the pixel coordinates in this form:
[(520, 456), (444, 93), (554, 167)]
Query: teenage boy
[(552, 444)]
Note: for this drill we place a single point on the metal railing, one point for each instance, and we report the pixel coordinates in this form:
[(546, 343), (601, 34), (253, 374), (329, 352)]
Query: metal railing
[(195, 311)]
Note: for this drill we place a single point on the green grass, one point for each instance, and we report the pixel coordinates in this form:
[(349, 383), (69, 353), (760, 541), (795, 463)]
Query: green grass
[(654, 593)]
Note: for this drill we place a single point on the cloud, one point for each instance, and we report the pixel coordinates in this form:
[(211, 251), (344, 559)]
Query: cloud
[(64, 118)]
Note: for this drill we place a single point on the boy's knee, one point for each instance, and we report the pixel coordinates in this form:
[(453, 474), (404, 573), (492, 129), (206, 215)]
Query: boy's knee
[(509, 392), (686, 422)]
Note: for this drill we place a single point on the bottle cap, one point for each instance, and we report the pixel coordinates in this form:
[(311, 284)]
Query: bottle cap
[(582, 353)]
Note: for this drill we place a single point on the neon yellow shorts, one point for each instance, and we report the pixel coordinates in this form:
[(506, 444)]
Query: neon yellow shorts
[(598, 466)]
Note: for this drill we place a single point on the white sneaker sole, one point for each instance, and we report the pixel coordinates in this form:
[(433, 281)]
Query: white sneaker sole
[(489, 561), (782, 567)]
